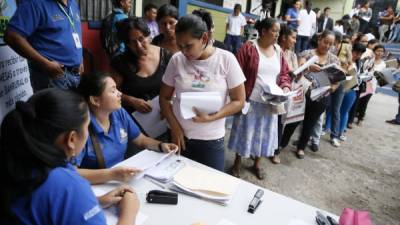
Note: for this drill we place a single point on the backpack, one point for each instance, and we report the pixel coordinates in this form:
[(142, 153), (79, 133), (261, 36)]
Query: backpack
[(109, 37)]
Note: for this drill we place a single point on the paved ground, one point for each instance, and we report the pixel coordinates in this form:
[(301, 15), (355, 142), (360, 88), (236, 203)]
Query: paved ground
[(364, 173)]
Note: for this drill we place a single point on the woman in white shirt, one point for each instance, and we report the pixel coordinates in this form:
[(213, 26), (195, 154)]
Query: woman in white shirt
[(200, 67)]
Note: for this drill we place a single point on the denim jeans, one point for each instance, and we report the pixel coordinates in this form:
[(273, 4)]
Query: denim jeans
[(40, 80), (348, 102), (302, 43), (207, 152), (333, 111), (395, 34), (398, 112), (233, 42), (316, 130)]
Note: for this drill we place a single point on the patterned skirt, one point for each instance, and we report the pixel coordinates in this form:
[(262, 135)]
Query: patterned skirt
[(255, 133)]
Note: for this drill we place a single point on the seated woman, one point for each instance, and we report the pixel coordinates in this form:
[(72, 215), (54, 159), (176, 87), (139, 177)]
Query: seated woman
[(140, 67), (110, 129), (167, 17), (39, 142)]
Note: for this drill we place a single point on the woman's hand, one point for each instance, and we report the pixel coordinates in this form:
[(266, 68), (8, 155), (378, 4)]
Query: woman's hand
[(178, 138), (123, 174), (128, 208), (201, 117), (114, 196), (314, 68), (168, 147), (140, 105), (286, 90)]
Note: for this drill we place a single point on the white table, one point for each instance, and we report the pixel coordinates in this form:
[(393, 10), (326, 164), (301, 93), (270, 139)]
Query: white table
[(275, 209)]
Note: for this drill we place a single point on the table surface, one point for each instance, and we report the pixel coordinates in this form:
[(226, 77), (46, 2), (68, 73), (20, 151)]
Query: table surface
[(275, 209)]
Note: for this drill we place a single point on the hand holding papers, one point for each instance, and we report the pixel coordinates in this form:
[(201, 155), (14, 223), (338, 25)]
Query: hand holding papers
[(205, 102), (310, 62), (151, 122)]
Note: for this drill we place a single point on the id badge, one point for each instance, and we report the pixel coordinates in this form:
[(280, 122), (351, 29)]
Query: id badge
[(77, 40)]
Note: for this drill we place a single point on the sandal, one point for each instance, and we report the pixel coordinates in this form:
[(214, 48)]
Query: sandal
[(300, 154), (258, 172), (275, 159), (235, 171)]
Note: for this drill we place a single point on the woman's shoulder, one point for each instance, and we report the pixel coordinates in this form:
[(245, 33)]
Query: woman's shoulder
[(65, 178)]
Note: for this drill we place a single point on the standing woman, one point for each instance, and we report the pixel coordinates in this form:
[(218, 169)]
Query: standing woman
[(256, 133), (140, 68), (217, 70), (40, 140), (287, 40), (167, 17), (314, 109)]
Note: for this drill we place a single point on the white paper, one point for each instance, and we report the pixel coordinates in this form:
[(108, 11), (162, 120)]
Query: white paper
[(298, 222), (246, 108), (112, 218), (274, 89), (225, 222), (151, 122), (316, 93), (206, 102), (307, 64)]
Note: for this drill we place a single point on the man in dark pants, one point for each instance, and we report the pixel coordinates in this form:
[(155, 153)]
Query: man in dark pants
[(48, 34)]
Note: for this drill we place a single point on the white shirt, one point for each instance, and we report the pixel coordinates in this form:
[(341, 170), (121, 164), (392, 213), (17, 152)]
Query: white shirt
[(267, 73), (339, 28), (307, 21), (235, 24), (325, 22)]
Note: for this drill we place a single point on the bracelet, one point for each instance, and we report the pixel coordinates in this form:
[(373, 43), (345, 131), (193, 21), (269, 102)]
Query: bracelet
[(160, 147)]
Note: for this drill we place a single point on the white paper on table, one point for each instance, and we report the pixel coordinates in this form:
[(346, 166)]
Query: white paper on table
[(225, 222), (307, 64), (151, 122), (298, 222), (112, 218), (206, 102)]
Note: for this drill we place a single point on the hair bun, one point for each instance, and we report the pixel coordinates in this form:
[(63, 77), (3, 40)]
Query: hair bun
[(25, 110)]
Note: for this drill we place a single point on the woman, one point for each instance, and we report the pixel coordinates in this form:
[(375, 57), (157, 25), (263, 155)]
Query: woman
[(49, 131), (365, 15), (200, 67), (111, 128), (377, 65), (287, 39), (167, 17), (256, 133), (140, 68), (312, 124)]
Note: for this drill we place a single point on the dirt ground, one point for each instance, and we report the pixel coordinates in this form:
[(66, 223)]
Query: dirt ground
[(364, 173)]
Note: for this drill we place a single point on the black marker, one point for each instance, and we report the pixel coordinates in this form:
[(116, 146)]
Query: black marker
[(256, 201)]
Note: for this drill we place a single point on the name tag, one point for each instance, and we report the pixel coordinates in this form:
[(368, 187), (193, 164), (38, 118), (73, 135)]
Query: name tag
[(77, 40)]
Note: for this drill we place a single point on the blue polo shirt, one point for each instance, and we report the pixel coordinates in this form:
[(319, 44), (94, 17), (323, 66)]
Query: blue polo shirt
[(293, 13), (113, 144), (48, 30), (64, 198)]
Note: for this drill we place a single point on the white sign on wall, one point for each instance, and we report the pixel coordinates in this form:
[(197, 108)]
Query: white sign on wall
[(14, 80)]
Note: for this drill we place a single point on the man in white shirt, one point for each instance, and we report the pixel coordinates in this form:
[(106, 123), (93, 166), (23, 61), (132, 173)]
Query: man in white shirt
[(234, 29), (308, 21)]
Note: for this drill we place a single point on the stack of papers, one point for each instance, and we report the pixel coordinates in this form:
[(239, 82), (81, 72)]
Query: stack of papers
[(206, 102), (204, 184), (273, 94), (151, 122), (319, 92), (165, 171)]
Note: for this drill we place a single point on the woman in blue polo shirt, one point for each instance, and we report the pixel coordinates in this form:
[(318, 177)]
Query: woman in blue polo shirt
[(111, 127), (39, 141)]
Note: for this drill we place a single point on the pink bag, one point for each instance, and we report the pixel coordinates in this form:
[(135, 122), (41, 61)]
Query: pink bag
[(354, 217)]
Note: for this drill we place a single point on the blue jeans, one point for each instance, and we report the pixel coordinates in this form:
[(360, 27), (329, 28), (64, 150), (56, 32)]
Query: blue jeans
[(233, 42), (207, 152), (348, 101), (40, 80), (333, 112), (395, 34), (302, 43)]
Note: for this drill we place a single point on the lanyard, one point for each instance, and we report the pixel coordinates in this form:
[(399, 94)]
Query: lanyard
[(69, 18)]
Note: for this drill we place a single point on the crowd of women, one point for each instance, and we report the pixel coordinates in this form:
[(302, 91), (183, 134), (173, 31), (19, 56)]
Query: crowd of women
[(57, 137)]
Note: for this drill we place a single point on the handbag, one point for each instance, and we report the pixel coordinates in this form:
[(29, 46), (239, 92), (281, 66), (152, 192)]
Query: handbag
[(354, 217)]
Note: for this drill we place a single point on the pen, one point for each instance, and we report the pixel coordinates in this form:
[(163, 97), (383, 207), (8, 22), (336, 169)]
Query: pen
[(256, 201)]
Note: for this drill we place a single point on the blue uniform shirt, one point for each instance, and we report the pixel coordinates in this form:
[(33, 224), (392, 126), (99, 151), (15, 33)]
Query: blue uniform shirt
[(113, 144), (48, 30), (119, 15), (64, 198), (293, 13)]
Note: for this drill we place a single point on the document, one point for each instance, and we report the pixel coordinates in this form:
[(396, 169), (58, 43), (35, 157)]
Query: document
[(307, 64), (206, 102), (318, 92), (111, 215), (151, 122)]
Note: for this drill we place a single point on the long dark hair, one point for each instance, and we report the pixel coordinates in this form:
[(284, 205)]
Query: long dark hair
[(27, 144), (192, 24), (132, 23), (285, 32), (266, 24), (93, 84)]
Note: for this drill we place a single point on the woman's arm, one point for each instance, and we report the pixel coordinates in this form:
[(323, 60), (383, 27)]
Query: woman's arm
[(145, 142), (99, 176)]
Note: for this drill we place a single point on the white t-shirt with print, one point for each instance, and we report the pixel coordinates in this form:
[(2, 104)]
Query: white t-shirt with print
[(220, 72), (235, 24)]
